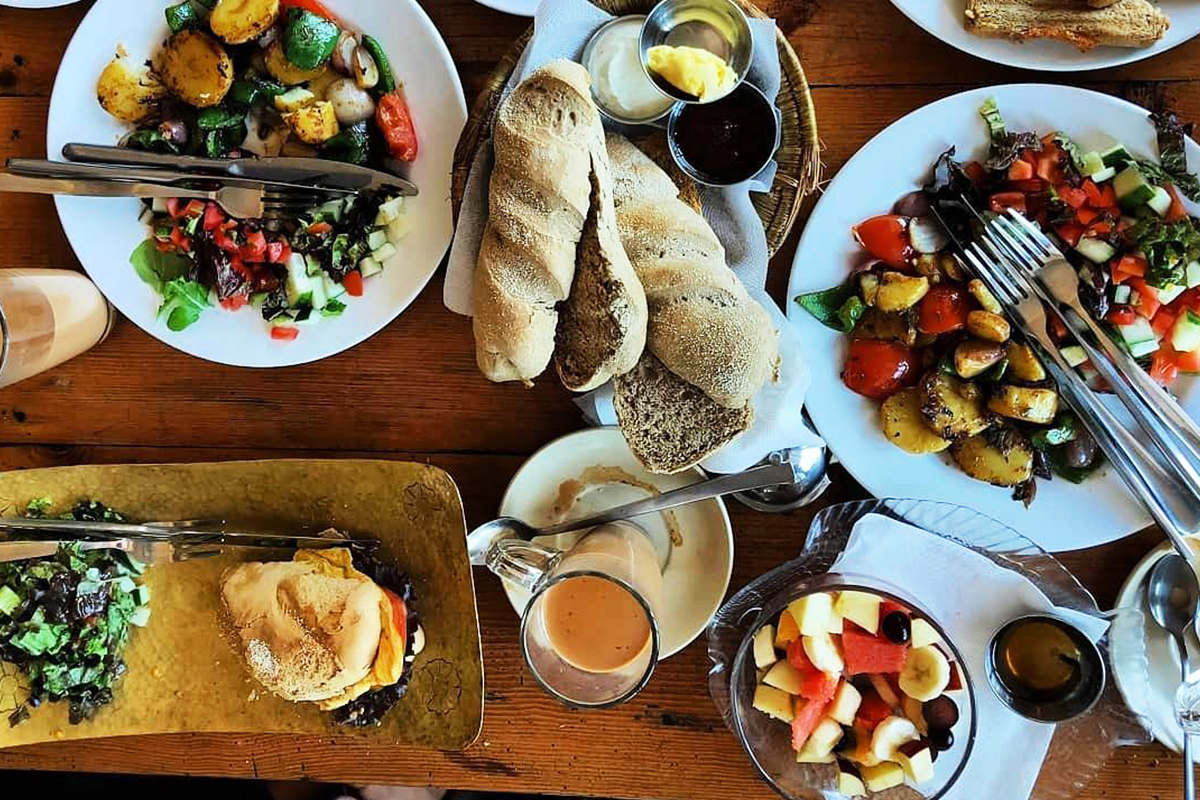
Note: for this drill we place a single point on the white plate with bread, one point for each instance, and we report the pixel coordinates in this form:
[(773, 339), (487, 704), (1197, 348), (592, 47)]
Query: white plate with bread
[(1062, 516), (1058, 35), (595, 261)]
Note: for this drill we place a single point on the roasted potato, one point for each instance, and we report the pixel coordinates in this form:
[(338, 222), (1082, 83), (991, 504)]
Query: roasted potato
[(239, 21), (927, 265), (949, 412), (315, 123), (1023, 364), (285, 71), (868, 286), (1001, 456), (988, 326), (900, 292), (888, 327), (984, 295), (1031, 405), (904, 426), (951, 267), (128, 92), (975, 356), (196, 69)]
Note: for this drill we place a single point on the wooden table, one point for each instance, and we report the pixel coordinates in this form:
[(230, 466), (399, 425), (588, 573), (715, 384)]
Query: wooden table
[(413, 392)]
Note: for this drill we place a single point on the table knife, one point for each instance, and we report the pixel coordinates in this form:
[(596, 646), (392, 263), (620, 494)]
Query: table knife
[(40, 167), (147, 552), (309, 171)]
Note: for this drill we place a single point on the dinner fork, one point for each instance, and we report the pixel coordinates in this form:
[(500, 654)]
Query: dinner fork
[(1057, 283), (239, 202), (1171, 505), (144, 550)]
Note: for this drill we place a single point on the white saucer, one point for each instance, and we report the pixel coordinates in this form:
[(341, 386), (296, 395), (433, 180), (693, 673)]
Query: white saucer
[(697, 573), (1153, 699)]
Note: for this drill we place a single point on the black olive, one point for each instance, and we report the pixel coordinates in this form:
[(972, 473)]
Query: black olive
[(848, 741), (941, 713), (941, 738), (897, 627), (1081, 451)]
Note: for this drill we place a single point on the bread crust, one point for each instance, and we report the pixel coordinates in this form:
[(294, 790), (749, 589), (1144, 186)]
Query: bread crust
[(1126, 23)]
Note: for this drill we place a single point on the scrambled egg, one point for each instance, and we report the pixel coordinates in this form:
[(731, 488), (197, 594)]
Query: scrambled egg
[(693, 70)]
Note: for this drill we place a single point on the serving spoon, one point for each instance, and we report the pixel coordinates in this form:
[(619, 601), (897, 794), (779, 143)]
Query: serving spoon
[(1172, 594)]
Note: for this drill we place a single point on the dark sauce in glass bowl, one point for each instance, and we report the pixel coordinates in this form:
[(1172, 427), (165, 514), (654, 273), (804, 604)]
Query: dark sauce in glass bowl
[(727, 141)]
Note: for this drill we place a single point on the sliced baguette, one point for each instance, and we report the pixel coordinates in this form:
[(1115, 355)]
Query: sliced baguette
[(1128, 23), (670, 424)]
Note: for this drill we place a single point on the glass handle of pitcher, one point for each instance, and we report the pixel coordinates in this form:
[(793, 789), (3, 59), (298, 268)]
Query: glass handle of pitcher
[(522, 562)]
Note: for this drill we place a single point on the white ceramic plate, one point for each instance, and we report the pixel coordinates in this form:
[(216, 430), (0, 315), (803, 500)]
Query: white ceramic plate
[(521, 8), (103, 232), (944, 19), (36, 3), (1063, 516), (698, 570), (1153, 695)]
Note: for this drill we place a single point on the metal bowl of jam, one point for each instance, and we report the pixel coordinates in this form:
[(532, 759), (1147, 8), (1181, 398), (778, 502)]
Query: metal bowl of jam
[(1045, 669), (718, 26), (726, 142)]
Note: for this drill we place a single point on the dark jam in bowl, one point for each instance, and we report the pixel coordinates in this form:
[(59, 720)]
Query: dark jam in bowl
[(727, 141)]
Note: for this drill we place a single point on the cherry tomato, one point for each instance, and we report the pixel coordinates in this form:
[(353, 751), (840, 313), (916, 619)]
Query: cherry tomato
[(886, 237), (213, 217), (876, 369), (353, 283), (943, 309), (396, 123)]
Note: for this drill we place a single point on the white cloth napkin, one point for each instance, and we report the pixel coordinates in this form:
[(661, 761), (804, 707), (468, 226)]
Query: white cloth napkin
[(1009, 750), (561, 29)]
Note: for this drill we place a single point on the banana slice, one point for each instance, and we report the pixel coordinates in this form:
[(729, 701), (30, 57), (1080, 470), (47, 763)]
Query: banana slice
[(889, 735), (926, 674), (824, 653)]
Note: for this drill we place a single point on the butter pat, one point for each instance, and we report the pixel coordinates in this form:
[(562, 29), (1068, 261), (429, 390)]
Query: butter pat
[(693, 70)]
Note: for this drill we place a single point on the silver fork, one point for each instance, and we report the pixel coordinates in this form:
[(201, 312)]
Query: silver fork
[(238, 201), (1168, 501), (1057, 283)]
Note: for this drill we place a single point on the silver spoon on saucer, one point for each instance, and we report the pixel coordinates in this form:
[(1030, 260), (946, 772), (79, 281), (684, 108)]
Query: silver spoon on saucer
[(770, 474), (1172, 594)]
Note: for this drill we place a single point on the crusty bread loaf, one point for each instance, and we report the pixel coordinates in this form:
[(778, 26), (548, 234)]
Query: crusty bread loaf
[(669, 424), (704, 326), (602, 326), (1127, 23), (545, 135)]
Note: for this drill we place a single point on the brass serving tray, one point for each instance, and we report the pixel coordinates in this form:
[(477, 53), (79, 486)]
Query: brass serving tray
[(183, 676)]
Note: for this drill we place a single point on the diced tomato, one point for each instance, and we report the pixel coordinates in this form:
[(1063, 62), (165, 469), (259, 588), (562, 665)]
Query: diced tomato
[(194, 208), (180, 239), (1029, 155), (1121, 315), (1163, 321), (278, 252), (806, 719), (395, 121), (1003, 200), (1032, 186), (1020, 170), (1048, 166), (943, 309), (1148, 304), (1100, 228), (353, 283), (213, 217), (1189, 299), (234, 302), (1094, 195), (886, 238), (819, 685), (872, 710), (222, 240), (876, 369), (976, 171), (315, 6), (1070, 232), (1058, 328), (173, 206), (1075, 198), (1085, 216), (399, 615), (1132, 264), (1163, 367), (1176, 211), (284, 333), (255, 248), (1109, 198), (320, 228), (1188, 362)]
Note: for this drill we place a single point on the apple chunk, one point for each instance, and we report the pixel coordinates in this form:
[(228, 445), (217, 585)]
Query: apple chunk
[(784, 676), (882, 777), (923, 634), (850, 784), (917, 761), (788, 630), (812, 613), (773, 702), (845, 703), (764, 647), (824, 737), (861, 608)]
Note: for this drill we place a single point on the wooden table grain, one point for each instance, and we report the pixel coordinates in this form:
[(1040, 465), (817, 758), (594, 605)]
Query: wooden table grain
[(413, 392)]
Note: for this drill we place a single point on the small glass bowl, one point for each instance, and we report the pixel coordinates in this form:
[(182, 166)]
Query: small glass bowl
[(768, 741)]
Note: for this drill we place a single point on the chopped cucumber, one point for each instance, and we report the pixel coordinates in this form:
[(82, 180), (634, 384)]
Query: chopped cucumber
[(400, 228), (332, 211), (1115, 156), (1090, 163), (1121, 294), (159, 205), (1143, 348), (1074, 355), (369, 266), (9, 600), (384, 253), (1169, 292), (333, 289), (389, 211), (1137, 332), (284, 319), (1160, 202), (377, 239), (125, 584), (1097, 251), (1185, 336), (141, 595), (318, 298), (140, 616), (313, 266), (1132, 188), (298, 285), (1108, 173), (1192, 273)]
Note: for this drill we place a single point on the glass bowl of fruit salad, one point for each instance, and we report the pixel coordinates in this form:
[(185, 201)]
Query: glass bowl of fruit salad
[(846, 686)]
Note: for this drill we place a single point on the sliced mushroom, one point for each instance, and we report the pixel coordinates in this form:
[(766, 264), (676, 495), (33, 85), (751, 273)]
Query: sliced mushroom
[(366, 71)]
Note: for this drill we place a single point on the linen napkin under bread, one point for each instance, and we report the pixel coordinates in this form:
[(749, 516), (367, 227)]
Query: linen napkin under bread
[(561, 29), (946, 577)]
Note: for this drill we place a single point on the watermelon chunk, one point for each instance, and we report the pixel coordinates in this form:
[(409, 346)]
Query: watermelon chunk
[(865, 653), (818, 685), (872, 710), (798, 658), (806, 720)]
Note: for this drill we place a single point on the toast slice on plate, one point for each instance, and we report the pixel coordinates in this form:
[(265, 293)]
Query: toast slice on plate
[(1124, 23)]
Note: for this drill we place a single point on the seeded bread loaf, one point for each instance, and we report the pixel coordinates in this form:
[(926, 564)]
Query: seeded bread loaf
[(1126, 23)]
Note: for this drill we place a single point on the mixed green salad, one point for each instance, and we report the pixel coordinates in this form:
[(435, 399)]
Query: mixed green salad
[(65, 620)]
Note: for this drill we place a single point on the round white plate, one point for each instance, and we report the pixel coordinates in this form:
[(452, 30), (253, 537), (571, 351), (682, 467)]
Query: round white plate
[(36, 3), (1063, 516), (1154, 698), (103, 232), (698, 570), (521, 8), (944, 19)]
